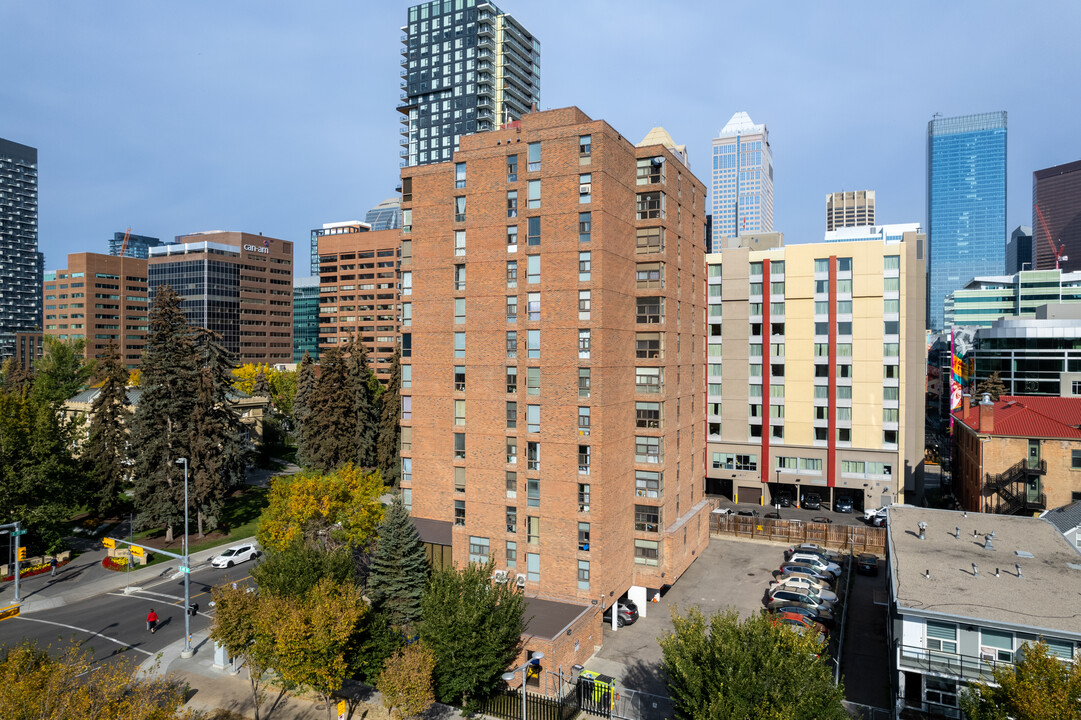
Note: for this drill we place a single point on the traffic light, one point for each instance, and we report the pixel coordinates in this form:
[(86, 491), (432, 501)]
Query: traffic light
[(22, 553)]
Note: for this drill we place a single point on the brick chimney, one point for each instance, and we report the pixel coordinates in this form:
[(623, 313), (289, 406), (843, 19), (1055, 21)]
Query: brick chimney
[(986, 422), (966, 403)]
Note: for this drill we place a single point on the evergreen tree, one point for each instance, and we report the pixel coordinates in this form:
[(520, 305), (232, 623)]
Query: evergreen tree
[(993, 386), (262, 385), (15, 377), (216, 454), (329, 430), (161, 425), (361, 379), (301, 402), (106, 448), (388, 452), (399, 568)]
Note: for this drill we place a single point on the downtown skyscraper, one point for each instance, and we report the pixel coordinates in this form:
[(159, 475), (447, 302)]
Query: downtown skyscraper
[(966, 204), (742, 191), (21, 264), (466, 67)]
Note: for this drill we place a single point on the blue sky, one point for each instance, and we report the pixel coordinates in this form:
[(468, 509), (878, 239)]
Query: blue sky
[(274, 117)]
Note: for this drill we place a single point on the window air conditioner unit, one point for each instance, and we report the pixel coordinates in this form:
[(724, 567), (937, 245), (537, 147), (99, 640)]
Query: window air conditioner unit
[(585, 188), (988, 654), (500, 576), (519, 579)]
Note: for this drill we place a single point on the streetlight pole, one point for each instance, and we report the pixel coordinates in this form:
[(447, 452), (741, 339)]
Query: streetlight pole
[(510, 675), (187, 652)]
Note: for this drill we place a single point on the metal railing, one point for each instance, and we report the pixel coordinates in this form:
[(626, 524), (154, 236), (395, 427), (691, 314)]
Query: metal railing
[(844, 617), (970, 667)]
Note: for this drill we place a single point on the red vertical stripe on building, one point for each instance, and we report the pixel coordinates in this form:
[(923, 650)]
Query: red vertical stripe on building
[(831, 432), (765, 371)]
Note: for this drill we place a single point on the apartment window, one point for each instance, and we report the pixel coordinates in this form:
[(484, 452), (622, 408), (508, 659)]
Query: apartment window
[(407, 439), (585, 226), (512, 415), (512, 168), (533, 269), (585, 188), (647, 449), (459, 277), (1075, 459), (890, 415), (844, 392), (512, 451), (584, 302), (532, 561), (407, 376), (532, 381), (512, 308), (891, 262), (891, 372), (512, 203), (533, 305), (647, 552), (891, 306), (648, 483), (459, 311), (512, 379), (534, 156), (512, 554), (407, 467), (650, 171), (891, 285), (583, 497), (532, 455), (891, 349), (649, 310), (478, 548), (648, 379), (459, 243), (533, 343), (459, 446), (583, 459), (459, 344), (583, 382), (459, 209), (459, 512), (533, 195), (532, 492), (584, 266), (649, 275), (459, 412), (650, 205), (533, 231), (533, 418), (647, 518), (512, 519), (459, 175), (512, 238), (734, 461), (407, 283), (407, 407), (585, 144), (512, 483), (407, 314), (889, 437), (647, 415), (532, 529), (651, 240), (512, 343), (648, 346), (584, 342), (512, 273), (844, 435), (583, 420), (941, 637), (583, 574), (891, 327), (407, 221)]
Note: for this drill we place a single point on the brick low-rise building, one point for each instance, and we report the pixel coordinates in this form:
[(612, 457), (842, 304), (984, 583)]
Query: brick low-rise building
[(553, 339), (1018, 455)]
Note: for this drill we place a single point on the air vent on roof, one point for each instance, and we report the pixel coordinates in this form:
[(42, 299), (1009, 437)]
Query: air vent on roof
[(1023, 553)]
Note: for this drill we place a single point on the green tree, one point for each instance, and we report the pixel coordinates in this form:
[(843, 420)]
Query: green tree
[(406, 682), (283, 388), (365, 424), (241, 627), (62, 371), (160, 429), (1040, 686), (313, 636), (302, 396), (262, 385), (399, 567), (474, 627), (295, 569), (335, 509), (15, 377), (724, 667), (329, 430), (106, 449), (375, 642), (992, 385), (388, 447)]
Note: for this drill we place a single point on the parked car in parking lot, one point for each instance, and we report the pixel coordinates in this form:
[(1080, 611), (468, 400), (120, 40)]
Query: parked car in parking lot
[(794, 618), (844, 504), (816, 562), (869, 513), (805, 571), (783, 498), (811, 501), (800, 596), (867, 564), (879, 518), (825, 553), (628, 613), (822, 612), (817, 587), (820, 616)]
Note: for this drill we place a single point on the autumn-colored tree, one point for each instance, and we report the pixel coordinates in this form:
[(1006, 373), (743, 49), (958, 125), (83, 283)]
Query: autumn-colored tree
[(313, 635), (66, 682), (1039, 686), (241, 626), (135, 377), (406, 681), (330, 510)]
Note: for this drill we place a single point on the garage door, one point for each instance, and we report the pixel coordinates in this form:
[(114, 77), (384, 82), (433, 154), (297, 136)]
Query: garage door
[(750, 495)]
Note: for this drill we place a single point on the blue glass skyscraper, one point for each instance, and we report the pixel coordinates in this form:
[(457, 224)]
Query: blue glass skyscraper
[(966, 204)]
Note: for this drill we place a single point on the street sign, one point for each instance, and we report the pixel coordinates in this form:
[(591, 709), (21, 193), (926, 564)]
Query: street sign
[(10, 611), (184, 569), (137, 551), (18, 532), (341, 709), (108, 542)]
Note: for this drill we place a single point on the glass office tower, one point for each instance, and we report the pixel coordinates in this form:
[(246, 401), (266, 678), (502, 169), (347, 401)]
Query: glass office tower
[(742, 192), (466, 67), (138, 246), (305, 318), (21, 265), (966, 204), (387, 215)]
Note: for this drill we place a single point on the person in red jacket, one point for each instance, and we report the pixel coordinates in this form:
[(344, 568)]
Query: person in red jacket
[(152, 621)]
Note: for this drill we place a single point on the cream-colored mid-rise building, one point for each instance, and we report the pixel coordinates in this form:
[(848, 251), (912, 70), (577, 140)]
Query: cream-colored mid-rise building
[(816, 356), (853, 208)]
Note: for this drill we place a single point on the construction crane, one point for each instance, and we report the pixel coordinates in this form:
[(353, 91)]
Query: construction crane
[(1056, 251), (124, 245)]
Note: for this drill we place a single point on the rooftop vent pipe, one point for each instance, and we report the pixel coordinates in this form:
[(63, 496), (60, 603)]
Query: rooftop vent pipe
[(1017, 566), (923, 530), (975, 570), (987, 542)]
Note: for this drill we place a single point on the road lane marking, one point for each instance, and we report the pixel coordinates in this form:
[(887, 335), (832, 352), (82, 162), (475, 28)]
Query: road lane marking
[(145, 592), (88, 632)]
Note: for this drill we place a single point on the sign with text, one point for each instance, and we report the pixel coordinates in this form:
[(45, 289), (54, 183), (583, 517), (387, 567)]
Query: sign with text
[(108, 542), (10, 611), (138, 551)]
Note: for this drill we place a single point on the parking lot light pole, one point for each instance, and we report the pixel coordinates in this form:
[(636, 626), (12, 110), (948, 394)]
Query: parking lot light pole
[(510, 675), (187, 652)]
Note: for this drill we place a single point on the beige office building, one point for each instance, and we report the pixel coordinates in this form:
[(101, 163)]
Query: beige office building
[(850, 209)]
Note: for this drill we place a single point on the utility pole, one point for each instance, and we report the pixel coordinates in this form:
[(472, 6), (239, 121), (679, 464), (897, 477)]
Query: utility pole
[(187, 652), (16, 530)]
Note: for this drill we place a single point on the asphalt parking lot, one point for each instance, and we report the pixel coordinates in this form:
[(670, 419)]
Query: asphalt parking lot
[(793, 513), (730, 573)]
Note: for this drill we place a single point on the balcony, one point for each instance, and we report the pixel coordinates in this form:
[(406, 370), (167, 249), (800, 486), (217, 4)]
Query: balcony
[(969, 667)]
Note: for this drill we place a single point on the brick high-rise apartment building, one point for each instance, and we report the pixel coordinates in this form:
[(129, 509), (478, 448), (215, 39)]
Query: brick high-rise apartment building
[(553, 400), (358, 292), (236, 284), (102, 298)]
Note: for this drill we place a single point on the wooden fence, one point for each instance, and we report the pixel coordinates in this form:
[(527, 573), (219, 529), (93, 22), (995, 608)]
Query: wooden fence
[(856, 538)]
